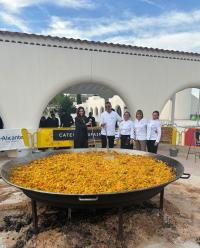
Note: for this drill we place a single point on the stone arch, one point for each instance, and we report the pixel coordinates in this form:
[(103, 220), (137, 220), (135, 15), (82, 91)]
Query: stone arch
[(103, 89), (176, 90), (178, 100)]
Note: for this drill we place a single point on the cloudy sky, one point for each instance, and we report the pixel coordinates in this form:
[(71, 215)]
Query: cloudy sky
[(168, 24)]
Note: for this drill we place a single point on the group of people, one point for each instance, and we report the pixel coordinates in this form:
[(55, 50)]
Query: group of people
[(140, 134), (66, 120), (144, 134)]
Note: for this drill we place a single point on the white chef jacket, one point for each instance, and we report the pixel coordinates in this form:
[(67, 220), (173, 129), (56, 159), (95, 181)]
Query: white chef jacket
[(154, 130), (126, 128), (110, 120), (140, 128)]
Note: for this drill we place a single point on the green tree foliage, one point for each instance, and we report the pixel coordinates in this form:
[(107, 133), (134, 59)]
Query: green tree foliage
[(63, 104)]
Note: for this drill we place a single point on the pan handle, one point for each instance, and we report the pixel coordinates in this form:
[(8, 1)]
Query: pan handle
[(88, 199), (185, 176)]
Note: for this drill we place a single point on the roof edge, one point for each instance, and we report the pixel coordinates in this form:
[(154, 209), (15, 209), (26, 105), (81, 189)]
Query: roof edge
[(88, 42)]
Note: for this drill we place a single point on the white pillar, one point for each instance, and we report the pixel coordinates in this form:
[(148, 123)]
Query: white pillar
[(173, 99)]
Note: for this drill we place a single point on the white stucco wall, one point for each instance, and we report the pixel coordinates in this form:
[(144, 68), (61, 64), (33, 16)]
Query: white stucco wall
[(31, 75), (183, 104), (166, 111)]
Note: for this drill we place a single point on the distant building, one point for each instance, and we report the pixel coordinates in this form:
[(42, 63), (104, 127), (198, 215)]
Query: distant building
[(96, 105)]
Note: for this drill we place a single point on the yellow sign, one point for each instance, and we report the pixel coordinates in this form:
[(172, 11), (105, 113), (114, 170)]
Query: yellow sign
[(45, 138), (63, 137), (57, 137), (25, 136)]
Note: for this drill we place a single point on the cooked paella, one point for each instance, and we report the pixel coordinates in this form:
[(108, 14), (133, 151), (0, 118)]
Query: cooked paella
[(92, 173)]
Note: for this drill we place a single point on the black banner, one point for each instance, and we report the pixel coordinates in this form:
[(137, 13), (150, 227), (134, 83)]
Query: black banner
[(63, 135), (69, 134), (96, 133)]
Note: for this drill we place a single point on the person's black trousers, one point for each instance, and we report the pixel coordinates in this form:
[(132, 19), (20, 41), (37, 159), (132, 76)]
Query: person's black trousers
[(125, 142), (151, 146), (110, 141)]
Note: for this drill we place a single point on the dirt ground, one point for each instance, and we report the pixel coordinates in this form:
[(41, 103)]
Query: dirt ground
[(144, 226)]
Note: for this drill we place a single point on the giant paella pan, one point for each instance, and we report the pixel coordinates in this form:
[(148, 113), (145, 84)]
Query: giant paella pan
[(93, 199)]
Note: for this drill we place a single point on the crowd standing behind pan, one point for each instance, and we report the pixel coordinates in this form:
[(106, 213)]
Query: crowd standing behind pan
[(139, 134)]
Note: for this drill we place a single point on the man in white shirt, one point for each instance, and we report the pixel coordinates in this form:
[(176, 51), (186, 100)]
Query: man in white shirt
[(108, 121)]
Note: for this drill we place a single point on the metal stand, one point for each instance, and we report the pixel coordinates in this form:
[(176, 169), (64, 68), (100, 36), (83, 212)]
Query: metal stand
[(69, 214), (34, 216), (161, 200), (120, 234), (120, 225), (161, 212)]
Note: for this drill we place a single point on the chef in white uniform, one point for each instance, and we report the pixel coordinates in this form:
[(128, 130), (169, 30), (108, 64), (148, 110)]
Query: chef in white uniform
[(140, 128), (108, 121), (126, 132), (153, 133)]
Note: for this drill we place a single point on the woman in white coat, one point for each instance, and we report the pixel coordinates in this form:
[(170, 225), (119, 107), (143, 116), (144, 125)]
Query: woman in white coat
[(153, 133), (140, 128), (126, 132)]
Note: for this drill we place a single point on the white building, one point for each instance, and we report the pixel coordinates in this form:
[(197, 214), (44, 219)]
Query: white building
[(35, 68), (96, 105)]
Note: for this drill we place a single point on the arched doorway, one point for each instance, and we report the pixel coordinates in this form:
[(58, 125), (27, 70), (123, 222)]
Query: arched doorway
[(95, 96), (183, 108)]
